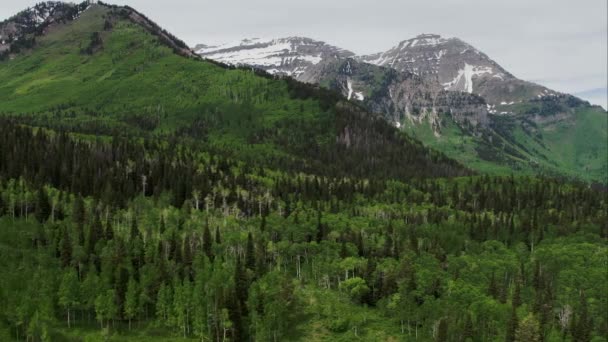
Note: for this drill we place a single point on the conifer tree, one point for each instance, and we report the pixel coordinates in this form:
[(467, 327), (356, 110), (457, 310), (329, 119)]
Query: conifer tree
[(207, 242), (250, 253), (43, 207)]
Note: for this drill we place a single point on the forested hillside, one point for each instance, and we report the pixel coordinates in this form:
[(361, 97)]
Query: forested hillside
[(149, 196), (205, 248), (105, 74)]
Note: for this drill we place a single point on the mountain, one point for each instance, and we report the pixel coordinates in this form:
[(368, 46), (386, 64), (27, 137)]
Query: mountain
[(113, 71), (457, 66), (451, 96), (290, 56)]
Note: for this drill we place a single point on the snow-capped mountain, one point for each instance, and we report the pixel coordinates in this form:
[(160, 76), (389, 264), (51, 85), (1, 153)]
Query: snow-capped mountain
[(457, 66), (290, 56), (450, 62)]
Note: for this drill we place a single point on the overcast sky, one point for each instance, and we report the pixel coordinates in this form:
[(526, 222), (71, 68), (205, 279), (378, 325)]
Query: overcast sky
[(561, 44)]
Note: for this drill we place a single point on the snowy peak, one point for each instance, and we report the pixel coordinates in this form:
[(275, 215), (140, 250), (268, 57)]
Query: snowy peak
[(290, 56), (452, 62), (423, 40)]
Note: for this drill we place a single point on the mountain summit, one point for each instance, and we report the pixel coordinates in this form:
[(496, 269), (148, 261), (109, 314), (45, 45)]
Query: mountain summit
[(457, 66)]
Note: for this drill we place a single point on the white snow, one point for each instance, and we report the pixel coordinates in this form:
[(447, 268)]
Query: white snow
[(464, 79), (440, 54), (278, 55), (350, 88)]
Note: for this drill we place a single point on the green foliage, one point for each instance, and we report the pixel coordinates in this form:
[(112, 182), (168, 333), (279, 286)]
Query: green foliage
[(528, 330), (355, 287)]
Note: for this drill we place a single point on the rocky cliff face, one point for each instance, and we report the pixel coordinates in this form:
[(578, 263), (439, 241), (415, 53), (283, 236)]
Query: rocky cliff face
[(401, 97)]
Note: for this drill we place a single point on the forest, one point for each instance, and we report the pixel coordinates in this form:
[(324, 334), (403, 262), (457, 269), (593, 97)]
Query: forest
[(197, 246)]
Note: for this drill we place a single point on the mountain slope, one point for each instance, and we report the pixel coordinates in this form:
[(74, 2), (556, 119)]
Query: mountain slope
[(455, 98), (114, 72)]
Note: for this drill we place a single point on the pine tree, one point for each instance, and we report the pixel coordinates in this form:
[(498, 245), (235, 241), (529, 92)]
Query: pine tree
[(250, 253), (493, 287), (78, 211), (134, 232), (109, 235), (468, 333), (207, 242), (95, 234), (583, 326), (66, 248), (320, 228), (516, 301), (240, 283), (43, 207), (218, 236), (512, 326), (442, 331)]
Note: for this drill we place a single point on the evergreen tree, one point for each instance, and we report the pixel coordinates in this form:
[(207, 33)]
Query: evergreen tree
[(95, 234), (66, 248), (468, 333), (79, 211), (250, 253), (207, 242), (442, 331), (43, 207), (218, 237), (583, 327), (240, 283), (512, 326)]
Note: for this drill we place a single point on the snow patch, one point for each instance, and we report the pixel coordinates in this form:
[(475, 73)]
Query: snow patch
[(464, 79), (259, 52), (350, 88)]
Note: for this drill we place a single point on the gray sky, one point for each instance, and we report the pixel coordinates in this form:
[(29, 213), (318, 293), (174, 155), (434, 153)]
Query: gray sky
[(561, 44)]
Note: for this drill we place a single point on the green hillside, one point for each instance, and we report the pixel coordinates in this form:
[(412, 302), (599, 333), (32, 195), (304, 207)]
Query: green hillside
[(573, 147), (105, 74)]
